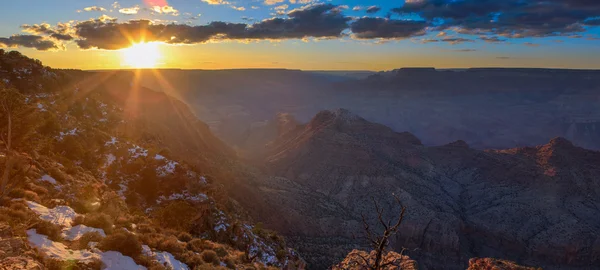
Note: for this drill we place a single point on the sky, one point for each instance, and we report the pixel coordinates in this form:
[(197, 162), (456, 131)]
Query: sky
[(305, 34)]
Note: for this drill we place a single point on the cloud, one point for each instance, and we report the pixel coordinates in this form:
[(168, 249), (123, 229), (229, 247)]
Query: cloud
[(373, 9), (60, 32), (216, 2), (29, 41), (130, 10), (94, 8), (273, 2), (508, 18), (165, 10), (383, 28), (318, 21)]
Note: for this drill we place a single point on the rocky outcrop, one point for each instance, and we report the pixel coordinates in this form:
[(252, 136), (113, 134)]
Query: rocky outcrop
[(495, 264), (15, 253), (357, 260), (536, 206)]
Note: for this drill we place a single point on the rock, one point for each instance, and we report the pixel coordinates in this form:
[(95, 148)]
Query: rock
[(495, 264), (20, 263), (356, 261)]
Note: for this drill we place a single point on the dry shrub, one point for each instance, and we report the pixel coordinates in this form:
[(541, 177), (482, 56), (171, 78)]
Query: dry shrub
[(152, 239), (86, 238), (122, 241), (145, 228), (199, 245), (230, 263), (171, 245), (209, 256), (221, 252), (191, 259), (178, 215), (54, 264), (185, 237), (49, 229), (96, 220), (37, 189)]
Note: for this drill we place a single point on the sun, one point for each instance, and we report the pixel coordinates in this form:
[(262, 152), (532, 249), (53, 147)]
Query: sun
[(141, 55)]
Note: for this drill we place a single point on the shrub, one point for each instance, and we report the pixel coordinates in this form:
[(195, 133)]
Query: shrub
[(96, 220), (185, 237), (177, 215), (221, 252), (198, 245), (47, 228), (122, 241), (230, 263), (209, 256), (145, 228), (171, 245), (88, 237), (191, 259)]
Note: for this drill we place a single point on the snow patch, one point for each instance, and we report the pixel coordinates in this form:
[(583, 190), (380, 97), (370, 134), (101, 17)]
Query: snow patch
[(167, 169), (137, 152), (159, 157), (40, 107), (71, 132), (49, 179), (56, 250), (76, 232), (114, 260), (60, 215), (165, 258), (112, 141)]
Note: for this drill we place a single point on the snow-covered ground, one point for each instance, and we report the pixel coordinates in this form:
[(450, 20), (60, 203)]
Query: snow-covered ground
[(76, 232), (60, 215), (165, 258), (56, 250)]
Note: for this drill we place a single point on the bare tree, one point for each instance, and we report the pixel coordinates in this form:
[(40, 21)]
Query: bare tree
[(380, 242), (10, 102)]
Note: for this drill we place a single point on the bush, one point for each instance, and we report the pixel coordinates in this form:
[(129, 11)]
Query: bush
[(122, 241), (51, 230), (198, 245), (230, 263), (209, 256), (191, 259), (221, 252), (96, 220), (177, 215), (145, 228), (171, 245), (88, 237), (185, 237)]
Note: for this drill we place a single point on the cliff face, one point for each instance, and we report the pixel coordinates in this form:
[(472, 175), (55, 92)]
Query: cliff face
[(538, 206)]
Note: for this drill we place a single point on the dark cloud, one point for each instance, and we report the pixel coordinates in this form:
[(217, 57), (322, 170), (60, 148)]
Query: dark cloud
[(509, 18), (319, 21), (373, 9), (59, 32), (29, 41), (370, 28)]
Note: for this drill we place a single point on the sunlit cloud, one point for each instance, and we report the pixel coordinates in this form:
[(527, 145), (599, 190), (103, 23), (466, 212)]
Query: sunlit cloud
[(130, 10)]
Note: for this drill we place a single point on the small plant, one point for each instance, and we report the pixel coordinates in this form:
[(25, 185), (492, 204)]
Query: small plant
[(210, 256), (88, 237), (47, 228), (122, 241), (185, 237), (96, 220)]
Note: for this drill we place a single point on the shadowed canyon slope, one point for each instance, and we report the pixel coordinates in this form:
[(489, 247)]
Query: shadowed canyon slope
[(487, 108), (538, 206)]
